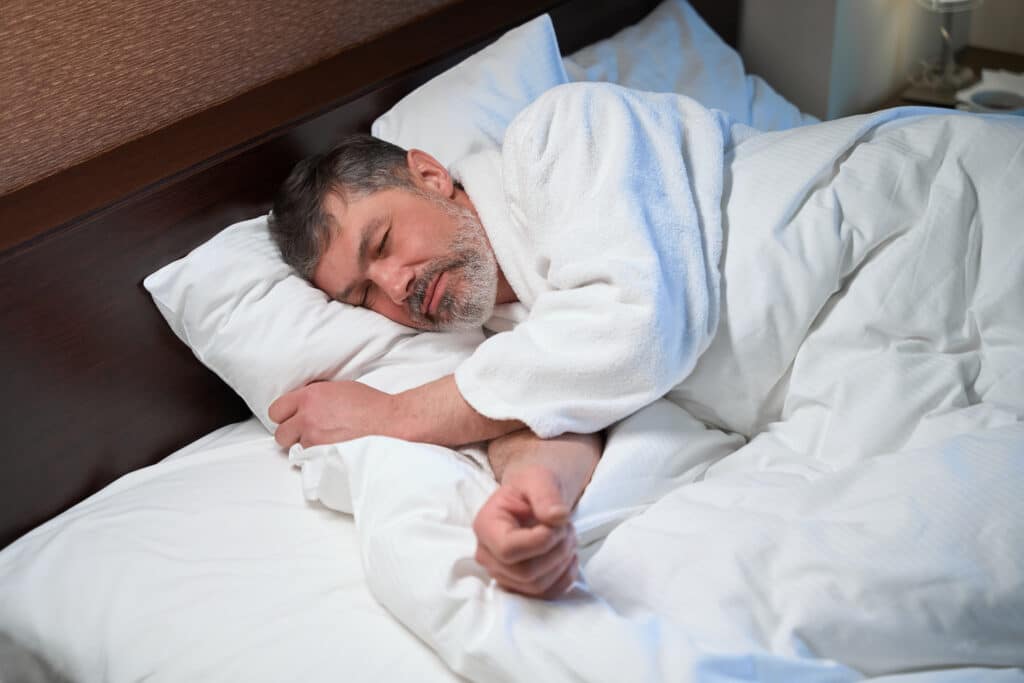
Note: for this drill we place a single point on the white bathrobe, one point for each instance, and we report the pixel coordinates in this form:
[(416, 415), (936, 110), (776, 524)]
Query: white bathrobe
[(603, 210)]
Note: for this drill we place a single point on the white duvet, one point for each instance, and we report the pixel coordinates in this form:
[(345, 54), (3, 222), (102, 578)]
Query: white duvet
[(871, 347)]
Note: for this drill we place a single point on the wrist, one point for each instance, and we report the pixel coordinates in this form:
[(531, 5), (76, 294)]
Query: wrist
[(400, 411)]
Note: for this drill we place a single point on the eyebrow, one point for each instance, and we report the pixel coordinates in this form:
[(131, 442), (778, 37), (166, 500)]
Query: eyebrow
[(364, 246)]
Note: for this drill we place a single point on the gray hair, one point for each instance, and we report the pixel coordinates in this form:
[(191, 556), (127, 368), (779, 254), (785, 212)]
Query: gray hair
[(356, 167)]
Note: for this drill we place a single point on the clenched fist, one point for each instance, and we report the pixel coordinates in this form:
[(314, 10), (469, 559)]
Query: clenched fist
[(525, 540)]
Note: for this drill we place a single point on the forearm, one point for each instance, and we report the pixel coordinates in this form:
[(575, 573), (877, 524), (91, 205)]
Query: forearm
[(436, 413), (571, 458)]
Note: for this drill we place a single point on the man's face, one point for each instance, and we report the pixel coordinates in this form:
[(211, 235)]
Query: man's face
[(419, 259)]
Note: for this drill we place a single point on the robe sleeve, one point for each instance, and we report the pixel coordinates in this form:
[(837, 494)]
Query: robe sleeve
[(620, 193)]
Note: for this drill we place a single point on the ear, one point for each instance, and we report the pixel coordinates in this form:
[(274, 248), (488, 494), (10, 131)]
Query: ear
[(429, 173)]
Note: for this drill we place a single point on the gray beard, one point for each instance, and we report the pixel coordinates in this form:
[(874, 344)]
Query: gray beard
[(472, 270)]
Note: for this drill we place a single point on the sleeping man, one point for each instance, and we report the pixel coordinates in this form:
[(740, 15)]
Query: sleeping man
[(598, 305)]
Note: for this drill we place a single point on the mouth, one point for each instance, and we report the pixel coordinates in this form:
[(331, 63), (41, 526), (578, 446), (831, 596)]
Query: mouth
[(433, 300), (428, 304)]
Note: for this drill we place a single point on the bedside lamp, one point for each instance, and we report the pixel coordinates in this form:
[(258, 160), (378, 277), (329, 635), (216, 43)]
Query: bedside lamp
[(937, 83)]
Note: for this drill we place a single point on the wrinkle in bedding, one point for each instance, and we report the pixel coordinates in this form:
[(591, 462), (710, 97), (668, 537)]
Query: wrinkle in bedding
[(871, 525), (208, 566)]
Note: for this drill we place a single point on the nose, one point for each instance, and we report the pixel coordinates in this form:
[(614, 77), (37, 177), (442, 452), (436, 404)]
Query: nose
[(395, 280)]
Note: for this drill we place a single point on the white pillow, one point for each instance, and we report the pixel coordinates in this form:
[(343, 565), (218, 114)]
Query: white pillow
[(468, 107), (673, 50), (265, 330)]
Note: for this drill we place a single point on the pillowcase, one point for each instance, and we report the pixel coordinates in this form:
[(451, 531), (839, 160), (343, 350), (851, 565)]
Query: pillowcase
[(673, 50), (468, 107), (265, 331)]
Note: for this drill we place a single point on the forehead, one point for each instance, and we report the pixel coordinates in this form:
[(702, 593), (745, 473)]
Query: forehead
[(337, 207), (345, 217), (348, 222), (345, 213)]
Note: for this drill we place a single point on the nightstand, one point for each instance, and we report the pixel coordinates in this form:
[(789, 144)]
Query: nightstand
[(977, 58)]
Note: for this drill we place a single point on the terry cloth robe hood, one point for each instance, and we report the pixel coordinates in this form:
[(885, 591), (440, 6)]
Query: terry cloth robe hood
[(604, 212)]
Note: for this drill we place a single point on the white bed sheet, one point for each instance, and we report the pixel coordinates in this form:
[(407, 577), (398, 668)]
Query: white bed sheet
[(208, 566)]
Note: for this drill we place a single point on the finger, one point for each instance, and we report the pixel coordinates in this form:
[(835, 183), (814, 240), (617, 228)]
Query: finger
[(498, 516), (558, 535), (505, 507), (284, 406), (547, 504), (521, 544), (534, 570), (561, 586), (548, 583), (530, 572), (516, 504), (288, 433), (542, 585)]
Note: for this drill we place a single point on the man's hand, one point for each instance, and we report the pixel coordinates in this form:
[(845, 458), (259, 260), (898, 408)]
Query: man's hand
[(328, 412), (524, 538)]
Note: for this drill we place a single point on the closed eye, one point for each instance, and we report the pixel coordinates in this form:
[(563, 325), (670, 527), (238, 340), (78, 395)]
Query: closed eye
[(383, 242)]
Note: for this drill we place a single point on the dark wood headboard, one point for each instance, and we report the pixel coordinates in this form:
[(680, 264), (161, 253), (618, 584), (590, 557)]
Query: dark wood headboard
[(94, 382)]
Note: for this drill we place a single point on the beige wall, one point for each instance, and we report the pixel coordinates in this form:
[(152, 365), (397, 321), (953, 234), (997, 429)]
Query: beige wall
[(838, 57), (999, 25), (79, 77), (789, 44)]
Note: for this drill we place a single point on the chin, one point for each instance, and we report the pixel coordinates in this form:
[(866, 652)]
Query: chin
[(467, 305)]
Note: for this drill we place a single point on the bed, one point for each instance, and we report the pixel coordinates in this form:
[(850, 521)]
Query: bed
[(155, 530)]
